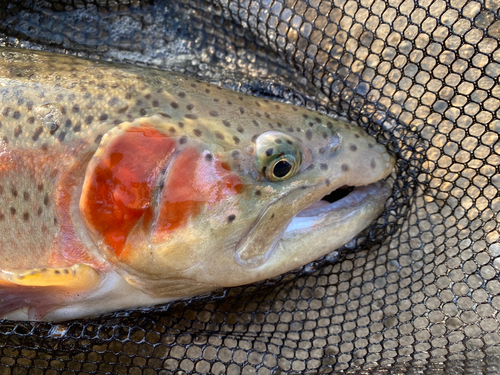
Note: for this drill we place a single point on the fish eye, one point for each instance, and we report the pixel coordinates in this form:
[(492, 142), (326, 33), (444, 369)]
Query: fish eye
[(278, 156)]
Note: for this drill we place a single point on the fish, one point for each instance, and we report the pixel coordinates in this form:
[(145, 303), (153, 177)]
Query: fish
[(124, 186)]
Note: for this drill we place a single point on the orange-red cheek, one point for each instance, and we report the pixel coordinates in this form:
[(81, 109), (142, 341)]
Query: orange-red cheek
[(118, 187)]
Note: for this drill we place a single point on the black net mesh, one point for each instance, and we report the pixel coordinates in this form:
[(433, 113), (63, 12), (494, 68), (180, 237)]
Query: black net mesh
[(416, 293)]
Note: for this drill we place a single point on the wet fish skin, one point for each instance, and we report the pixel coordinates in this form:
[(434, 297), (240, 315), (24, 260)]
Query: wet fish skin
[(64, 120)]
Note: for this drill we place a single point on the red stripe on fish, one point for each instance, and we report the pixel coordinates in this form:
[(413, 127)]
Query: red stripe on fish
[(193, 182), (117, 191)]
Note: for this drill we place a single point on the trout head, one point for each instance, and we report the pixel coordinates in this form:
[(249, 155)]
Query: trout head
[(183, 210)]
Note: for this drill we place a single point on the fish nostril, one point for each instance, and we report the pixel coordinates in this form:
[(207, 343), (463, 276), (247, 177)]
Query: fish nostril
[(334, 142)]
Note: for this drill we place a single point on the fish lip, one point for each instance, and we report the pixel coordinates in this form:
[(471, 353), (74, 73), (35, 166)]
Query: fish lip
[(308, 218)]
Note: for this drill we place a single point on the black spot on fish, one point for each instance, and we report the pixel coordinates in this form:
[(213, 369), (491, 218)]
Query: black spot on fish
[(171, 130), (373, 164), (174, 105), (163, 114), (16, 115), (305, 116), (98, 138), (226, 123), (20, 101), (277, 106), (219, 135), (324, 135), (258, 192), (236, 139), (229, 102), (309, 135), (2, 216), (26, 216), (193, 84), (37, 133), (113, 101), (323, 166), (14, 192), (45, 147), (12, 211), (345, 167), (269, 152), (214, 113), (68, 123), (31, 120), (148, 96), (191, 116), (356, 135), (39, 212), (231, 218), (318, 120), (255, 123), (183, 140), (240, 129), (6, 111), (61, 136), (278, 141), (189, 107), (181, 124), (89, 119), (77, 127), (272, 216), (46, 200), (26, 196), (208, 157), (182, 95), (353, 147), (40, 187), (216, 100), (103, 117), (18, 131), (197, 132), (235, 154), (242, 110), (370, 145), (29, 104), (311, 124)]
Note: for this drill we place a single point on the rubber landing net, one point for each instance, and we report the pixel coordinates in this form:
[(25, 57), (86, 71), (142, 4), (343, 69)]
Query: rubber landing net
[(418, 292)]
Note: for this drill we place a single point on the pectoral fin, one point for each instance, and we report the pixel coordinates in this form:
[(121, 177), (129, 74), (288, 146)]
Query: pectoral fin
[(78, 276)]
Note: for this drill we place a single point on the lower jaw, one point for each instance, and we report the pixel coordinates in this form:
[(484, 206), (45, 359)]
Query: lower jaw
[(345, 199)]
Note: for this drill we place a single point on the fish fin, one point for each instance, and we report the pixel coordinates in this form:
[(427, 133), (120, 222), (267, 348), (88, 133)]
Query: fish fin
[(43, 290), (79, 276)]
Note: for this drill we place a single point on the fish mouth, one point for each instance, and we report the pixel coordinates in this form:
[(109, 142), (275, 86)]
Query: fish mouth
[(338, 205)]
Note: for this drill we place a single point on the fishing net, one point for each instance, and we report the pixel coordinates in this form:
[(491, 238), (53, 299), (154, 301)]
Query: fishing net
[(417, 292)]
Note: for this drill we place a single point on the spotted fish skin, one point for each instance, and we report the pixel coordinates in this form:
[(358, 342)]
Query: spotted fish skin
[(122, 186)]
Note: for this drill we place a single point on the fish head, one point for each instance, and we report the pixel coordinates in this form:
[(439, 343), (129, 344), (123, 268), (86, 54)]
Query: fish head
[(181, 211)]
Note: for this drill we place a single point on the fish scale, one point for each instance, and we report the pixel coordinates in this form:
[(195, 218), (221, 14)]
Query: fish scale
[(123, 186)]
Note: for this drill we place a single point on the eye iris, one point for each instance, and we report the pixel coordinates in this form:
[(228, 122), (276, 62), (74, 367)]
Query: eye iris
[(282, 168)]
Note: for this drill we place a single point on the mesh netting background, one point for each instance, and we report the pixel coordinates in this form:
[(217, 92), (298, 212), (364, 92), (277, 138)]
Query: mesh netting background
[(417, 293)]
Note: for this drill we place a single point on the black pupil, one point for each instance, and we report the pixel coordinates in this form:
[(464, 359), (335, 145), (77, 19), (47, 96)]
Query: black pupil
[(282, 168)]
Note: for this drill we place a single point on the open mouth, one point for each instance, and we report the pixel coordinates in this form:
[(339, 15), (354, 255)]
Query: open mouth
[(341, 201)]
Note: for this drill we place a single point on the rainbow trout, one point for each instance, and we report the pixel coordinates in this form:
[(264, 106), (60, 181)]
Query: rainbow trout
[(122, 186)]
